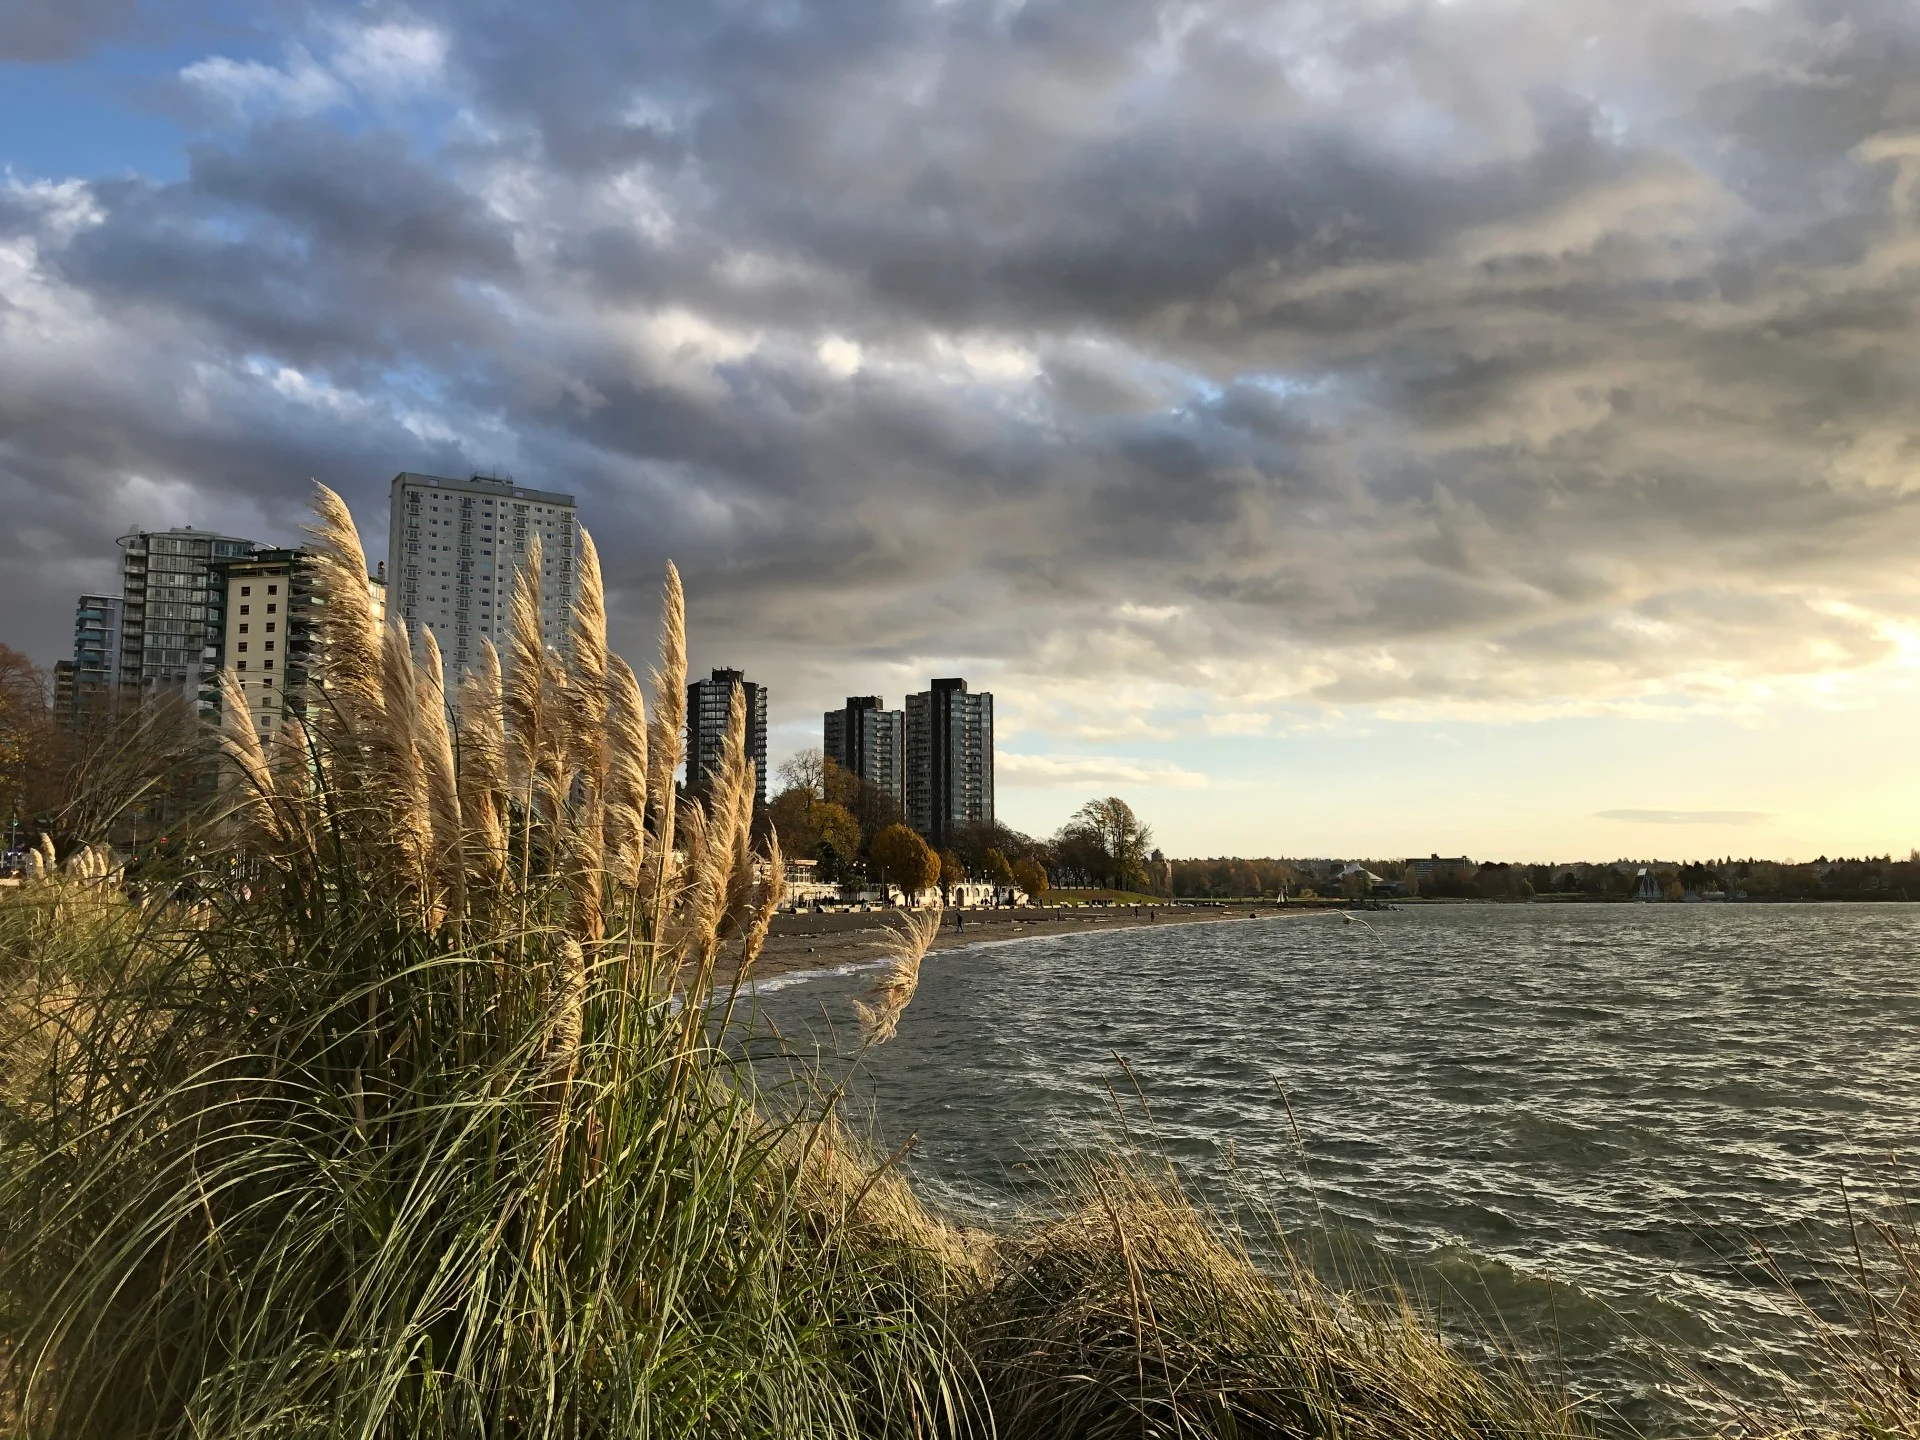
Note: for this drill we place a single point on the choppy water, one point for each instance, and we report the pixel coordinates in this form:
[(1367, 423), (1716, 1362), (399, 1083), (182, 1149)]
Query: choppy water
[(1577, 1121)]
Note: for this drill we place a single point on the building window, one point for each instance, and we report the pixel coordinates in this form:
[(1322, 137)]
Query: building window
[(269, 627), (272, 590), (243, 629), (241, 666), (266, 664), (246, 609), (246, 589), (243, 646)]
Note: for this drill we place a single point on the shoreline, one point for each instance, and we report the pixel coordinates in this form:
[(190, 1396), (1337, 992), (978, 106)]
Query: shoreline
[(799, 945)]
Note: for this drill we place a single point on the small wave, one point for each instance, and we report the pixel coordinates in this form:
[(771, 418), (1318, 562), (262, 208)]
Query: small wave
[(1614, 1106), (773, 984)]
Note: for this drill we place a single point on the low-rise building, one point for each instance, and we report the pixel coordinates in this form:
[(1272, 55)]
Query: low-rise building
[(268, 638), (1439, 871)]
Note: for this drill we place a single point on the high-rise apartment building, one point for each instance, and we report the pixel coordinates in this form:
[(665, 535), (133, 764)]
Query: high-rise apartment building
[(268, 637), (869, 741), (96, 653), (708, 704), (949, 759), (454, 547), (173, 604)]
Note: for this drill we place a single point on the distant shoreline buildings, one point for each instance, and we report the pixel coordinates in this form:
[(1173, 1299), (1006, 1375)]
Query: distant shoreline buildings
[(189, 610), (193, 604), (934, 758)]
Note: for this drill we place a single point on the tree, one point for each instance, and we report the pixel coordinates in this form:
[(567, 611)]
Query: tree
[(952, 873), (30, 742), (997, 870), (1078, 857), (791, 814), (904, 859), (838, 846), (811, 828), (1031, 876), (806, 771), (1106, 842), (972, 841), (872, 808)]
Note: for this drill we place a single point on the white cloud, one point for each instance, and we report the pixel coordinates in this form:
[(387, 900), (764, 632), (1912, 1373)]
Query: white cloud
[(839, 355), (1053, 772), (386, 62), (1687, 817), (249, 87), (1237, 723), (391, 60)]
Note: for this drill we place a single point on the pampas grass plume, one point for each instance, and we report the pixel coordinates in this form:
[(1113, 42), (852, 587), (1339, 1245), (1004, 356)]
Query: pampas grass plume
[(402, 793), (253, 808), (886, 1000), (351, 636), (625, 820), (435, 747), (669, 709), (589, 678)]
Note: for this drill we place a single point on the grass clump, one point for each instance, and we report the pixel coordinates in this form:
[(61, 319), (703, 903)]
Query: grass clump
[(1131, 1314), (399, 1128)]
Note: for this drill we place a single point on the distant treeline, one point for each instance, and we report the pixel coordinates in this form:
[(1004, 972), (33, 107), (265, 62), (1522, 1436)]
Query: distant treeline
[(1863, 878)]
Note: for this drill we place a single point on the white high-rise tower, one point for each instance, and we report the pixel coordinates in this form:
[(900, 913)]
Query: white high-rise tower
[(453, 548)]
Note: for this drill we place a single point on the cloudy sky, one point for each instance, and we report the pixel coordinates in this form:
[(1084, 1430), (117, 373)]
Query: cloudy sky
[(1339, 426)]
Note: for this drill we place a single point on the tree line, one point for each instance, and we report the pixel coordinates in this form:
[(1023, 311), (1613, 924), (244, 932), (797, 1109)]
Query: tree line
[(135, 776)]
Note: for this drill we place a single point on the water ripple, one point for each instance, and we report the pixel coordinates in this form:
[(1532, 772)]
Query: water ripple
[(1575, 1121)]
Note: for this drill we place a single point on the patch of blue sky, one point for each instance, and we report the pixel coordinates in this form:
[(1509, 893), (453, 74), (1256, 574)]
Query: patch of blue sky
[(85, 122), (140, 107), (1280, 382), (102, 114), (1198, 389), (421, 384)]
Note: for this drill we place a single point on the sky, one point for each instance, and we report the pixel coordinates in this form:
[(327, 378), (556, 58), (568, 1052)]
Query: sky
[(1338, 427)]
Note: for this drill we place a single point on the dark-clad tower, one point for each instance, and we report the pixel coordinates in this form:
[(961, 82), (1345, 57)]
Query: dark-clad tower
[(949, 763), (707, 704), (869, 741)]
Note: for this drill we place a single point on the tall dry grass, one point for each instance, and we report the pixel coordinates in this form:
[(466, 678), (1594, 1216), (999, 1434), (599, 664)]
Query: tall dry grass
[(398, 1130), (422, 1120)]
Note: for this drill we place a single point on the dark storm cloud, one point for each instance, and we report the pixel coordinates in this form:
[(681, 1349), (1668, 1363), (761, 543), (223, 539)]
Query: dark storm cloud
[(302, 243), (42, 30), (1374, 353)]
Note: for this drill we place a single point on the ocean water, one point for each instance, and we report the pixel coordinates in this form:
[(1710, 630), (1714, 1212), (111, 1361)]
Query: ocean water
[(1600, 1133)]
